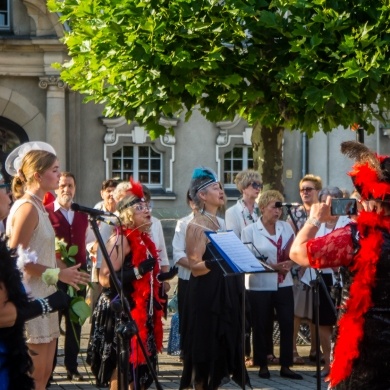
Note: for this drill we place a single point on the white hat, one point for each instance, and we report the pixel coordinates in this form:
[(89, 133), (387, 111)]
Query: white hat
[(15, 158)]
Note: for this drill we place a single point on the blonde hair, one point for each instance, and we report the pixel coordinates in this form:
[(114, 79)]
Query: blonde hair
[(244, 178), (35, 161), (269, 196), (316, 180), (127, 216)]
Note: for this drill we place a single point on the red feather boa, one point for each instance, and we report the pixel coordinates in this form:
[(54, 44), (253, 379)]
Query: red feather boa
[(364, 267), (140, 243)]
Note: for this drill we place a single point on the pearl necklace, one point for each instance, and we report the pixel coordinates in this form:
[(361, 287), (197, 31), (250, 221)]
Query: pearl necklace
[(209, 216), (38, 201)]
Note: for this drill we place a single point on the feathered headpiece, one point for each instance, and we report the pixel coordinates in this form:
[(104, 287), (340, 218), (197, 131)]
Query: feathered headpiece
[(135, 195), (203, 177), (371, 172)]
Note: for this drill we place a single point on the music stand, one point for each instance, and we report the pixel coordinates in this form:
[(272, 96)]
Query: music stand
[(316, 284), (235, 259), (127, 328)]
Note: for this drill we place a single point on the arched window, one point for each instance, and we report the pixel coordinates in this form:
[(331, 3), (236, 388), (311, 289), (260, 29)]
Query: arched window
[(11, 136)]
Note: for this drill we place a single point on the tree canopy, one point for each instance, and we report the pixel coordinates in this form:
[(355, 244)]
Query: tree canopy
[(308, 65)]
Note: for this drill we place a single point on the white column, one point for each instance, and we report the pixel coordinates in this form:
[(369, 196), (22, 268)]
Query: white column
[(55, 115)]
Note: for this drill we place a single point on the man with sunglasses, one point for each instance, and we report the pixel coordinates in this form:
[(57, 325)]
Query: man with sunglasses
[(309, 187)]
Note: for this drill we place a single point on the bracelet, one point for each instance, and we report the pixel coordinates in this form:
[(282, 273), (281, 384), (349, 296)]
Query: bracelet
[(313, 221), (137, 274), (49, 309), (40, 300)]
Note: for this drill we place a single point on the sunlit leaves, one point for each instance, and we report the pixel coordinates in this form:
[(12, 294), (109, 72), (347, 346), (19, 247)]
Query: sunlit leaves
[(293, 63)]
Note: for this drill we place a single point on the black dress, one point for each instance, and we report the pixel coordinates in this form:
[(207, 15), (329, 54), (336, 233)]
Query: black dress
[(212, 324), (15, 362), (102, 345)]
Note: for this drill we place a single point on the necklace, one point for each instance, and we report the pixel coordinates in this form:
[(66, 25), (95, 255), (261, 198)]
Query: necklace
[(209, 216), (38, 201)]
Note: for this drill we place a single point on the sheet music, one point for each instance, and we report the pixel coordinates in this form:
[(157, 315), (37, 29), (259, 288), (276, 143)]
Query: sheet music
[(235, 252)]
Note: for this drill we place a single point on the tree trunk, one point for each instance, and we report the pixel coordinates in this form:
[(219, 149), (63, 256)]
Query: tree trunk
[(267, 155)]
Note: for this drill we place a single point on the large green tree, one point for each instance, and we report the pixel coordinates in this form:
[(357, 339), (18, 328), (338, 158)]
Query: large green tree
[(297, 64)]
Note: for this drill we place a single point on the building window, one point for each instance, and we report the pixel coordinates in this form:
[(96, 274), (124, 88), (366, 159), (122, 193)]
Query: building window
[(141, 162), (4, 15), (236, 160)]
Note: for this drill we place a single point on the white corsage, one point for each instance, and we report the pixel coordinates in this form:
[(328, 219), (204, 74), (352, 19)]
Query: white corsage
[(25, 256), (50, 276)]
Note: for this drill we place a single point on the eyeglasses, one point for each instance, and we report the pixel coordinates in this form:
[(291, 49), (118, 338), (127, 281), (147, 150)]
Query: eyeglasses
[(141, 208), (257, 186), (7, 187), (307, 189)]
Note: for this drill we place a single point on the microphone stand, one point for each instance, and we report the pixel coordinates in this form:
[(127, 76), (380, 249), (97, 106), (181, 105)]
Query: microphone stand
[(126, 327), (315, 284)]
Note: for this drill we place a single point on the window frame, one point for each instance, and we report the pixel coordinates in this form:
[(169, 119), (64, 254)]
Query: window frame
[(136, 171), (7, 16), (245, 163)]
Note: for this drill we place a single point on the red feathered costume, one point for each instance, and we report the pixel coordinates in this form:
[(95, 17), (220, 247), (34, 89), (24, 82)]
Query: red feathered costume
[(362, 352), (145, 309)]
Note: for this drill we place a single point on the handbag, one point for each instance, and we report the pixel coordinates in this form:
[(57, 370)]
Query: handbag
[(173, 304)]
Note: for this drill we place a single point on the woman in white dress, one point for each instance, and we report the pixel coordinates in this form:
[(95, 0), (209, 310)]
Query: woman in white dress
[(36, 171)]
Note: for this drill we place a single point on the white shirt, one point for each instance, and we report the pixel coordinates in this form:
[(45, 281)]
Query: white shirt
[(68, 214), (179, 245), (235, 220), (157, 236), (259, 236)]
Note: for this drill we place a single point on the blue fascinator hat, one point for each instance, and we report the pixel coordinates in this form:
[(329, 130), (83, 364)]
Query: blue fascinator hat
[(202, 177)]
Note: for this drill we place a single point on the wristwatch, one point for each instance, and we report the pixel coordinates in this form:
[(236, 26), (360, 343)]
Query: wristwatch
[(313, 221)]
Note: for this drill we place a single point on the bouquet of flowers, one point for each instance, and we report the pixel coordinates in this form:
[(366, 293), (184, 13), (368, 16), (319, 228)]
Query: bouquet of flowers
[(79, 309)]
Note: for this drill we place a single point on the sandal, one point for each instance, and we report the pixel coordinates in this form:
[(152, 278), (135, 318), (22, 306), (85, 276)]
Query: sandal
[(272, 359), (297, 359), (249, 362)]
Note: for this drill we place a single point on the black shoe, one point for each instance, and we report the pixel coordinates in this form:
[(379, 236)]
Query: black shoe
[(74, 375), (285, 372), (264, 373)]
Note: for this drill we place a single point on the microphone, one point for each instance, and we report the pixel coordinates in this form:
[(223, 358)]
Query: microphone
[(104, 220), (89, 211), (281, 204)]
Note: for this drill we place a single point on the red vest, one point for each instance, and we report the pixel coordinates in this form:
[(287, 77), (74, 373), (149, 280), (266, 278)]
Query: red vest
[(73, 234)]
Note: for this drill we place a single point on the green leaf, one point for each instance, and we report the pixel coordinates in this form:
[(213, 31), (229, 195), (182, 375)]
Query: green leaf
[(73, 250)]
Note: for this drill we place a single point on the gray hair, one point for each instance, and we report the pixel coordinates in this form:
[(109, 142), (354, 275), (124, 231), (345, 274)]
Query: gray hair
[(334, 192)]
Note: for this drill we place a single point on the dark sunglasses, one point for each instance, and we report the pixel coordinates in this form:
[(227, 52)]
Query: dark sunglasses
[(257, 186), (307, 189), (7, 187)]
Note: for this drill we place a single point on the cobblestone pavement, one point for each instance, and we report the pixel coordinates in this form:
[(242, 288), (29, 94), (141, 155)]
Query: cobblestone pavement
[(170, 370)]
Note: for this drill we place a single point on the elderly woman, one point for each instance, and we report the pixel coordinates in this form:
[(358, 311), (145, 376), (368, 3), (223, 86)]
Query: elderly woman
[(362, 350), (327, 316), (271, 291), (245, 211), (134, 258), (212, 347)]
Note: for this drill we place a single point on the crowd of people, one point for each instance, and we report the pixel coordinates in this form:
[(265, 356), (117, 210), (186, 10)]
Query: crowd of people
[(130, 277)]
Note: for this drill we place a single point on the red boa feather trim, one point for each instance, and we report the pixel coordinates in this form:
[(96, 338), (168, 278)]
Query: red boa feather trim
[(350, 326), (140, 244)]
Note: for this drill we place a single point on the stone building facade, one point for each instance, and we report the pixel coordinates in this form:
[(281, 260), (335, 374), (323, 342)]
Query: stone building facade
[(36, 105)]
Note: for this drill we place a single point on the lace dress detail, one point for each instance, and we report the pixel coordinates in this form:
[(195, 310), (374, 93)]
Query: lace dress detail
[(39, 330), (333, 250)]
